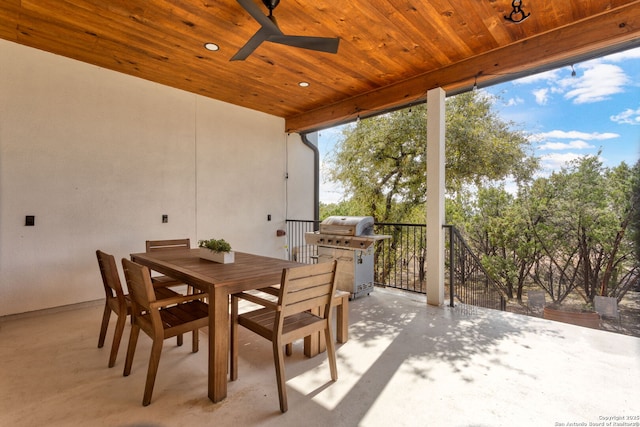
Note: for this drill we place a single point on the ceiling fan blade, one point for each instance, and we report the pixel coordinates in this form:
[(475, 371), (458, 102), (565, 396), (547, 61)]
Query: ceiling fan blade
[(269, 31), (251, 45), (261, 18), (320, 44)]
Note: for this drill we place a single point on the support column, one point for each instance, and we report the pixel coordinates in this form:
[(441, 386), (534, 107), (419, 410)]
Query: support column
[(435, 196)]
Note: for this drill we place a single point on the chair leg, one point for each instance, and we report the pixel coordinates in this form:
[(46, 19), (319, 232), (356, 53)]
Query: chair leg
[(342, 320), (105, 323), (278, 358), (154, 361), (117, 337), (233, 340), (331, 353), (131, 349), (195, 341)]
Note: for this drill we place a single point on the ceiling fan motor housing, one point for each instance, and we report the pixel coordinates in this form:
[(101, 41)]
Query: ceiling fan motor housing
[(271, 4)]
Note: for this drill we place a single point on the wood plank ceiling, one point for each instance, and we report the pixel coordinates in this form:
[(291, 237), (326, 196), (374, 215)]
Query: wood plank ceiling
[(391, 51)]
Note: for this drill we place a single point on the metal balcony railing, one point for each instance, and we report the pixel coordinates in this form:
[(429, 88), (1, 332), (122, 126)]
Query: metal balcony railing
[(298, 249), (400, 262), (471, 284)]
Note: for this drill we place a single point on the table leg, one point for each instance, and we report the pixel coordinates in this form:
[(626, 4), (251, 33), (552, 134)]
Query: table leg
[(312, 345), (315, 344), (342, 316), (218, 343)]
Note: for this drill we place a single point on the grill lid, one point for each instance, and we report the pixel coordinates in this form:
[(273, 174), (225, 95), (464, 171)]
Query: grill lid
[(354, 232), (347, 225)]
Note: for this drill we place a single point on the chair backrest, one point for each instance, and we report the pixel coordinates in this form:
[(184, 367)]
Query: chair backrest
[(160, 245), (606, 306), (139, 284), (307, 287), (110, 277), (536, 299)]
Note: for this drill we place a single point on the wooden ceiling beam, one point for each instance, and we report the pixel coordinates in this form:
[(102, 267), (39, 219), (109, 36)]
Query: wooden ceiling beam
[(598, 33)]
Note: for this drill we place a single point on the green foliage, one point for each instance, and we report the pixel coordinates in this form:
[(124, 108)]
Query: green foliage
[(480, 146), (344, 208), (381, 164), (381, 167), (500, 232), (585, 212), (216, 245), (565, 232), (578, 229), (635, 210)]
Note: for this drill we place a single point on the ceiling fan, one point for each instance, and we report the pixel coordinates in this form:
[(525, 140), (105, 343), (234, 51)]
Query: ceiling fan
[(270, 32)]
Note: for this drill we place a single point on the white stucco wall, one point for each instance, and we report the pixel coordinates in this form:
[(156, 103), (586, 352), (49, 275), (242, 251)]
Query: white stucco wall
[(300, 172), (98, 157)]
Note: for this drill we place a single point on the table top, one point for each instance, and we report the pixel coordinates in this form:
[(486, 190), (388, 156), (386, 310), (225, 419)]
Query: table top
[(248, 271)]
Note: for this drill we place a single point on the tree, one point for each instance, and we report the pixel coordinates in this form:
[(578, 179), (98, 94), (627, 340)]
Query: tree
[(635, 214), (576, 230), (617, 279), (501, 234), (480, 146), (580, 220), (344, 208), (380, 161)]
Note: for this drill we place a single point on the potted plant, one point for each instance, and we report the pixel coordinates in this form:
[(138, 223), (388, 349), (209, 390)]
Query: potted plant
[(217, 250)]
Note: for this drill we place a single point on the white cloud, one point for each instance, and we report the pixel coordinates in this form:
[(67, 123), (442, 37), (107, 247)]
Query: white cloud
[(542, 96), (541, 77), (511, 102), (596, 80), (598, 83), (574, 134), (577, 145), (555, 161), (627, 117), (623, 56)]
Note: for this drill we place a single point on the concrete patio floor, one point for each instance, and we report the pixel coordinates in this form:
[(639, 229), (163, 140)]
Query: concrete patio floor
[(405, 364)]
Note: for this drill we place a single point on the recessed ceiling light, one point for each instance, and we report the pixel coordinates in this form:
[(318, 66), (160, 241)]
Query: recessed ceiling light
[(303, 84), (211, 46)]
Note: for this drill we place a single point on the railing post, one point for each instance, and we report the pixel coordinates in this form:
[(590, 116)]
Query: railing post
[(451, 267)]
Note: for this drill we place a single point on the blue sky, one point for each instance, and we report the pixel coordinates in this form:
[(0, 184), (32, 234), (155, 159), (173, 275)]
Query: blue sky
[(564, 116)]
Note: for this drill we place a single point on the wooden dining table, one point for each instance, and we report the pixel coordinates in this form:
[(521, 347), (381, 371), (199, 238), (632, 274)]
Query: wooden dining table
[(247, 272)]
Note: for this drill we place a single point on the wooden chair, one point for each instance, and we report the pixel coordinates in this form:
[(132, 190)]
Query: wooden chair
[(117, 301), (163, 245), (302, 290), (160, 319), (314, 344)]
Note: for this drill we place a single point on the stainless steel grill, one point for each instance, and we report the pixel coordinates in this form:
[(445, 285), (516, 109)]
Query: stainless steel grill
[(349, 240)]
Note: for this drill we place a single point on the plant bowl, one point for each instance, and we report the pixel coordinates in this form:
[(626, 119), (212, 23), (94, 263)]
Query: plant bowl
[(221, 257)]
